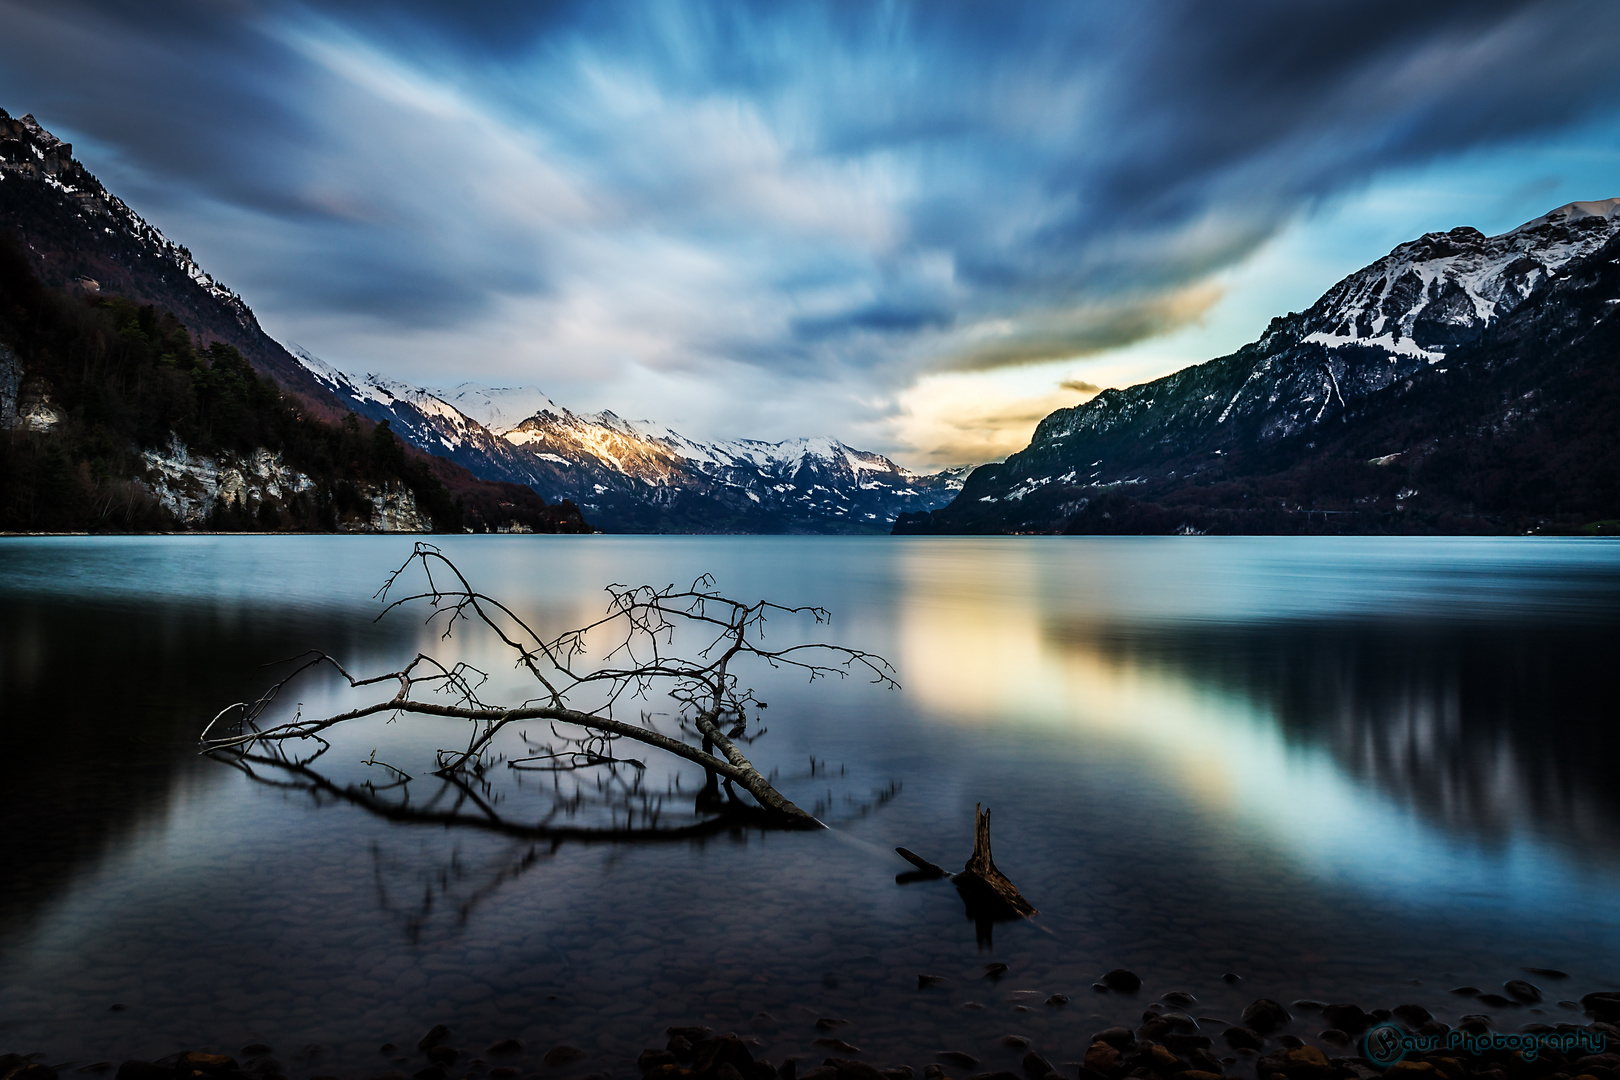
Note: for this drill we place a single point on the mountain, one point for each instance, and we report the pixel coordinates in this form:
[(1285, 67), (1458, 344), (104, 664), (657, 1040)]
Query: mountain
[(637, 476), (1420, 394), (631, 476), (139, 393), (83, 237)]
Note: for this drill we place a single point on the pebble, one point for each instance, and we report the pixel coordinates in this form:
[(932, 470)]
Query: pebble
[(925, 981), (561, 1055), (1037, 1066), (839, 1045), (1412, 1015), (1102, 1058), (436, 1035), (957, 1057), (1243, 1038), (1180, 999), (1347, 1018), (1526, 992), (1122, 981), (650, 1058), (1057, 1000), (1265, 1016)]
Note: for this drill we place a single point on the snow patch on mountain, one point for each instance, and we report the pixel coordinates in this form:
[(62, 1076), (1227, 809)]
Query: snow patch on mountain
[(1443, 289), (617, 468), (499, 408)]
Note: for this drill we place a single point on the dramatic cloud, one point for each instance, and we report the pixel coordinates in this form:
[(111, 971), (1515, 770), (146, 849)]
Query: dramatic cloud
[(837, 199)]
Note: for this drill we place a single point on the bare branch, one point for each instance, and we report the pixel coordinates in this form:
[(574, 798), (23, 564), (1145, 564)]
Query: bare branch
[(643, 627)]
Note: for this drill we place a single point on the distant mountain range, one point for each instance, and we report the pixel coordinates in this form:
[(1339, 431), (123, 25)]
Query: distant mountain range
[(628, 476), (638, 476), (1462, 383)]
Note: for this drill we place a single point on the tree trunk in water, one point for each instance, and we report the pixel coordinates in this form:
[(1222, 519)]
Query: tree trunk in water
[(981, 877)]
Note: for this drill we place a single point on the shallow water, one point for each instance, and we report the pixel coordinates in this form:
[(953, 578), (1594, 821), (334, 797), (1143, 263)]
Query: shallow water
[(1363, 770)]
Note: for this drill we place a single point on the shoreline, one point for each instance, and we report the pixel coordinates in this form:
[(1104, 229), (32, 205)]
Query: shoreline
[(1269, 1041)]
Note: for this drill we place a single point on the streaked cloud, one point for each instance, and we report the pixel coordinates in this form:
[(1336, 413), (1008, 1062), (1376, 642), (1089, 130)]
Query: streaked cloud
[(772, 218)]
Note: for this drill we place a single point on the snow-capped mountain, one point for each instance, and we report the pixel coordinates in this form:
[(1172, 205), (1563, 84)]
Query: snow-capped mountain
[(638, 476), (1422, 313), (1442, 290), (1377, 326)]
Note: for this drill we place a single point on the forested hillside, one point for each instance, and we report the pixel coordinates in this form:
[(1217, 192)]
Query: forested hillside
[(99, 395)]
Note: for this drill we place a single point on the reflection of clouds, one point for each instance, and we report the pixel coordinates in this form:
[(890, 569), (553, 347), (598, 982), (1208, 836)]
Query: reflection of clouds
[(1374, 769)]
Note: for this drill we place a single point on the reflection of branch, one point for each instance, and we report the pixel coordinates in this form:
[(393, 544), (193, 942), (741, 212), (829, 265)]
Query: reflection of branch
[(645, 621), (732, 816), (415, 916)]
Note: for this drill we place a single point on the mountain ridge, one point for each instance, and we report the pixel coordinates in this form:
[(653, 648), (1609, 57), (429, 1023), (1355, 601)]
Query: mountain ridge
[(81, 236), (642, 476), (1424, 312), (87, 444)]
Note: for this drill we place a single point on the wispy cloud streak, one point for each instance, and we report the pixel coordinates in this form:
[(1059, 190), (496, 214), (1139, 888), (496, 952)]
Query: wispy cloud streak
[(851, 196)]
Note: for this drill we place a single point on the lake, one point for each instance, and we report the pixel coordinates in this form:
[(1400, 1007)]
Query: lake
[(1362, 770)]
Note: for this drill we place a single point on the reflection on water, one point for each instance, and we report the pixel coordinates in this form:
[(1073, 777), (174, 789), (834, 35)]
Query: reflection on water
[(1331, 766), (1485, 736), (98, 709), (1416, 752)]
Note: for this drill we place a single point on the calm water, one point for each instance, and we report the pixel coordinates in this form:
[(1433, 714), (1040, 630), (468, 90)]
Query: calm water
[(1364, 770)]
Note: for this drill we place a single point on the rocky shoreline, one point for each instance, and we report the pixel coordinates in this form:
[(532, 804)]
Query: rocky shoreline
[(1305, 1040)]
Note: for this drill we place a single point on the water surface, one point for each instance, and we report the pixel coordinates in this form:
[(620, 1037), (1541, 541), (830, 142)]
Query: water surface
[(1362, 769)]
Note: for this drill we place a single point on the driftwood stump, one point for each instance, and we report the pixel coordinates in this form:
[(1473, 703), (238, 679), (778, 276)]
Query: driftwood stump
[(981, 876), (985, 891)]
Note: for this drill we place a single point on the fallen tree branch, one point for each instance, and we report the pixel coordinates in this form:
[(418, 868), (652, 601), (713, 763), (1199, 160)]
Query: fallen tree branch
[(643, 625)]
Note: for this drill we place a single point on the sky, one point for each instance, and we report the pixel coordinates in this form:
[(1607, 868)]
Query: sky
[(917, 227)]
